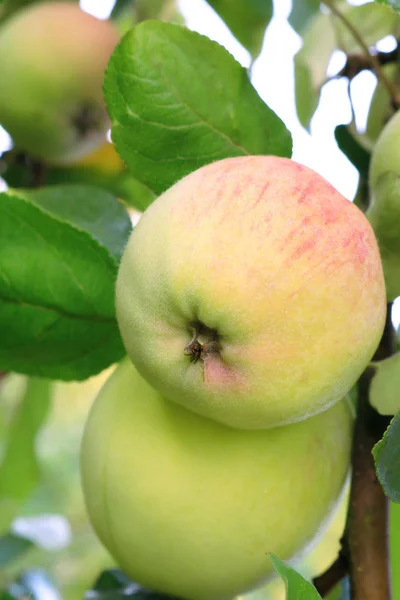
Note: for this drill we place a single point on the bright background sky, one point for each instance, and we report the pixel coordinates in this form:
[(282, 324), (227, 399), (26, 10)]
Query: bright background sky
[(274, 81)]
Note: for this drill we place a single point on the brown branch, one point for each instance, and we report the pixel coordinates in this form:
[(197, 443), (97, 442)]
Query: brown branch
[(374, 62), (357, 62), (366, 538), (325, 582)]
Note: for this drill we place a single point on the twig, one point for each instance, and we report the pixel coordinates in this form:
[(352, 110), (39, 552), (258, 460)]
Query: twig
[(327, 581), (372, 59), (366, 537)]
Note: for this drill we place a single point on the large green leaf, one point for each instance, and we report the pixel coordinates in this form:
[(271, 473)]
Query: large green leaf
[(385, 386), (57, 313), (247, 19), (325, 33), (350, 144), (387, 460), (297, 588), (179, 101)]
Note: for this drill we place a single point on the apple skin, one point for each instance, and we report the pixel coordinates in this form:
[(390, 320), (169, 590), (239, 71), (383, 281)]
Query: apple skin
[(53, 56), (190, 507), (279, 273), (384, 211)]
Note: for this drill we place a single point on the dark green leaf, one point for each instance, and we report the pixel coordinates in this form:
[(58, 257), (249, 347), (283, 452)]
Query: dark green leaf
[(114, 585), (179, 101), (19, 469), (302, 12), (395, 4), (354, 151), (57, 313), (87, 209), (297, 588), (387, 460), (247, 19), (12, 547), (385, 386)]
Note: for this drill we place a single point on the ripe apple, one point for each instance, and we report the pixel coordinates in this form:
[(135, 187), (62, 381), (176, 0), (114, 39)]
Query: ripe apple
[(384, 211), (191, 507), (52, 61), (251, 292)]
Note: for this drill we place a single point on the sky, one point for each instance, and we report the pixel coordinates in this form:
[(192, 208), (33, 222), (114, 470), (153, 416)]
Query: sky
[(274, 82)]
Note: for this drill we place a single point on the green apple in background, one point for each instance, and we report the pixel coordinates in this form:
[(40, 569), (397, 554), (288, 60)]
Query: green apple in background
[(252, 293), (190, 507), (52, 61), (384, 211)]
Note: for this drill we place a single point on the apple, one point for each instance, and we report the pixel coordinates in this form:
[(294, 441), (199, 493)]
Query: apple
[(251, 292), (53, 56), (384, 211), (190, 507)]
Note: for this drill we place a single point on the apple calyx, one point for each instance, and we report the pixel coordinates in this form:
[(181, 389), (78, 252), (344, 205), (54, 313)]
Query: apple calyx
[(205, 341), (86, 119)]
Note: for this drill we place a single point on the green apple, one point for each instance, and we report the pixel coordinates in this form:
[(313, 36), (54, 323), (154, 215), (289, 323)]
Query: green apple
[(52, 61), (191, 507), (384, 211), (252, 292)]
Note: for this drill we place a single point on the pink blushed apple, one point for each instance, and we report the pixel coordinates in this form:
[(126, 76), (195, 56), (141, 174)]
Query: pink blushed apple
[(251, 292)]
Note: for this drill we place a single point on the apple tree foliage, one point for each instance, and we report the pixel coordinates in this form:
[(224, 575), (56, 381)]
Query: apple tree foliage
[(177, 101)]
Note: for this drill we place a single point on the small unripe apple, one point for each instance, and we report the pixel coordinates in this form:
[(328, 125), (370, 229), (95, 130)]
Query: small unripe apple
[(190, 507), (252, 293), (52, 61), (384, 211)]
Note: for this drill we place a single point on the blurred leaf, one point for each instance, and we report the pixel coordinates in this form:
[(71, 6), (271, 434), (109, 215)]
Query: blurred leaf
[(247, 20), (119, 182), (57, 316), (385, 386), (395, 4), (381, 109), (12, 547), (120, 7), (352, 148), (323, 34), (88, 209), (387, 460), (302, 12), (114, 585), (179, 101), (19, 470), (297, 588)]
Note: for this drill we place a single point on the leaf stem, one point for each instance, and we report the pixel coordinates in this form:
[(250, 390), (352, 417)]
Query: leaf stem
[(325, 582), (371, 58)]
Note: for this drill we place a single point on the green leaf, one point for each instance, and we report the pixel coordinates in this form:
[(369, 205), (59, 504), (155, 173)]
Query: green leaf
[(12, 6), (351, 146), (302, 12), (57, 313), (385, 386), (247, 19), (12, 547), (178, 101), (87, 209), (297, 588), (387, 460), (395, 4), (324, 34), (19, 469)]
